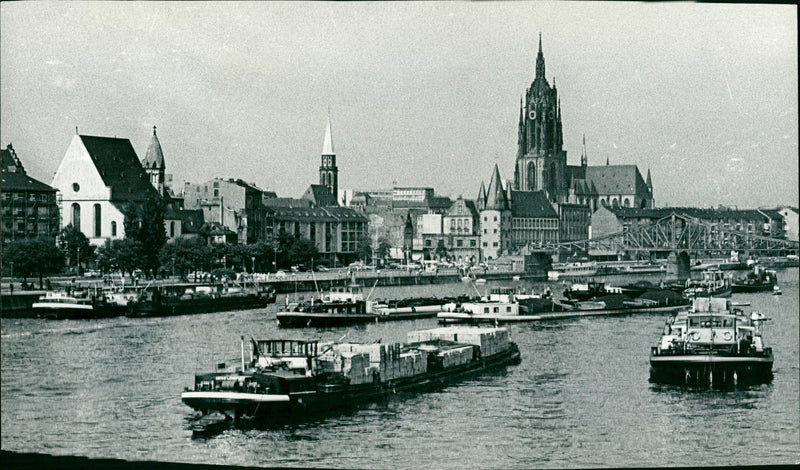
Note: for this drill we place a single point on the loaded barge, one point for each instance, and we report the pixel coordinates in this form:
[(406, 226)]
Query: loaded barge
[(297, 378), (183, 299)]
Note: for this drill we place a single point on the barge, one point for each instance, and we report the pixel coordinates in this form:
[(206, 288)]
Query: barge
[(187, 298), (714, 341), (289, 378)]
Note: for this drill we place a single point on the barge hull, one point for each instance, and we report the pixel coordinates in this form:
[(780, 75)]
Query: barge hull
[(454, 317), (302, 404), (693, 369)]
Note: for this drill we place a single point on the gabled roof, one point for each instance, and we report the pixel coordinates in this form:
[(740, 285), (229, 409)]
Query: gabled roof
[(119, 167), (496, 198), (530, 205), (616, 179), (469, 206), (320, 195), (9, 160), (154, 158)]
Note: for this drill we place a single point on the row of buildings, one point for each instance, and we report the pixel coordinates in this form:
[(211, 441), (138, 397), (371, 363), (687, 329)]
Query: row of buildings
[(546, 201)]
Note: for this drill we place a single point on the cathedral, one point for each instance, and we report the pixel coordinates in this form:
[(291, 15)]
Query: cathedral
[(546, 191)]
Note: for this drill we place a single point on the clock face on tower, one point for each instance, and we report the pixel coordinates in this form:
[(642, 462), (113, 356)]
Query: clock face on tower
[(532, 114)]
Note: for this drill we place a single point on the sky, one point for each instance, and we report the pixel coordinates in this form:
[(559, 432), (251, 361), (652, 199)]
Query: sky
[(419, 94)]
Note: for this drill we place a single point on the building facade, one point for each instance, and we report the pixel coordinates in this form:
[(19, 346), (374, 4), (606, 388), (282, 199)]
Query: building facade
[(337, 232), (98, 177), (234, 204), (29, 207)]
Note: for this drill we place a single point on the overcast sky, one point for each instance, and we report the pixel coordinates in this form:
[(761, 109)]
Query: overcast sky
[(420, 94)]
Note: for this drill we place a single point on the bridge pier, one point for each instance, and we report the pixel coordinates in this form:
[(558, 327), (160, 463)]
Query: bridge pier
[(679, 266)]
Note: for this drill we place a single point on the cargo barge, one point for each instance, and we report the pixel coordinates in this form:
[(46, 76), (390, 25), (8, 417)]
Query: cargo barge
[(183, 299), (298, 378), (713, 342)]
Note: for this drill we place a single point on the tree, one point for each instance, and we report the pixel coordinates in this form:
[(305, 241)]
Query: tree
[(125, 255), (302, 250), (75, 245), (264, 253), (187, 254), (31, 257), (145, 224), (384, 248)]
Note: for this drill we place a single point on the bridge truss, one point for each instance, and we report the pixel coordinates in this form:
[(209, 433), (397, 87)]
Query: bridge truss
[(677, 232)]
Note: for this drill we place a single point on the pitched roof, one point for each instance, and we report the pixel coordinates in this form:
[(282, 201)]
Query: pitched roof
[(17, 180), (119, 167), (531, 204), (21, 182), (154, 158), (496, 198), (320, 195), (317, 214), (286, 202), (616, 179)]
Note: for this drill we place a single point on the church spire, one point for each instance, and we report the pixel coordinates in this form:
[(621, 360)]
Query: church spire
[(540, 60), (154, 165), (649, 180), (584, 157), (327, 144)]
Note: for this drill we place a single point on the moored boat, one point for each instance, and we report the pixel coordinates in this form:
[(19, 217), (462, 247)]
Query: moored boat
[(713, 284), (80, 304), (187, 298), (712, 342), (299, 378), (757, 280)]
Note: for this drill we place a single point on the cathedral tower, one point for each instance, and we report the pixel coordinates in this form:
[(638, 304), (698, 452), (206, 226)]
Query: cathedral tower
[(153, 164), (328, 172), (541, 161)]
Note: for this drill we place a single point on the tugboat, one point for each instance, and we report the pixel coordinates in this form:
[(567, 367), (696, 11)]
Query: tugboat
[(713, 284), (297, 378), (713, 342), (757, 280)]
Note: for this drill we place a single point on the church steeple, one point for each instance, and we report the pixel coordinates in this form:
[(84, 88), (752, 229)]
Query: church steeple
[(154, 165), (540, 60), (584, 157), (328, 172)]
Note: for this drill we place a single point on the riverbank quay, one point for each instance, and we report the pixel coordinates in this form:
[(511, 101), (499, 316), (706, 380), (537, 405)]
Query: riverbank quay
[(21, 460)]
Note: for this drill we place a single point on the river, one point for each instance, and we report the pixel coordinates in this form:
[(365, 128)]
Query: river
[(580, 397)]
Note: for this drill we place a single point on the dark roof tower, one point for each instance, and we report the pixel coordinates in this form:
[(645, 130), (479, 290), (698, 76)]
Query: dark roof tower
[(328, 171), (584, 157)]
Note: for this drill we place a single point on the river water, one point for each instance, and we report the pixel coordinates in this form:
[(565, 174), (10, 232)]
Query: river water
[(580, 398)]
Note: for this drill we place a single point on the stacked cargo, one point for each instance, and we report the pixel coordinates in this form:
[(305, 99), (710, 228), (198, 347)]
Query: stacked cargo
[(490, 340), (456, 356)]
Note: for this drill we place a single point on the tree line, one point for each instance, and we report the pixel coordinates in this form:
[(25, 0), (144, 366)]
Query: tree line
[(144, 248)]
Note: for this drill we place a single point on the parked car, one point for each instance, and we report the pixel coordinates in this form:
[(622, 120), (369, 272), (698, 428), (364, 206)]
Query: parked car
[(91, 273), (280, 273), (197, 275)]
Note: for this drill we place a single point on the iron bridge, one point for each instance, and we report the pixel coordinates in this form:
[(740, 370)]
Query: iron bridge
[(677, 232)]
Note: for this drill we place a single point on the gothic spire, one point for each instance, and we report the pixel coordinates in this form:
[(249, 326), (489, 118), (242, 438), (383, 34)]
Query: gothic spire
[(496, 198), (649, 180), (327, 144), (540, 60), (584, 157)]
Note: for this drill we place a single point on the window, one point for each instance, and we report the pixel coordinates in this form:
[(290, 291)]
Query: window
[(76, 187), (113, 229), (172, 229), (76, 216), (97, 220)]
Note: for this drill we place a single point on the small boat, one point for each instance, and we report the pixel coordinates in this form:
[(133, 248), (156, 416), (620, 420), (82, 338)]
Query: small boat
[(480, 280), (210, 424), (712, 342), (713, 284), (776, 291), (515, 278), (572, 270), (290, 378), (757, 280), (79, 304)]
